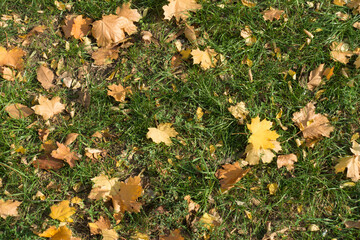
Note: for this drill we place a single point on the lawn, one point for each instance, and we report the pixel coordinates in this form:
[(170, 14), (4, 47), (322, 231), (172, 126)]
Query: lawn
[(267, 56)]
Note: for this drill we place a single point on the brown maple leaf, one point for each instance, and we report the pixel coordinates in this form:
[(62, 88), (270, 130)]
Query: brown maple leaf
[(118, 92), (287, 161), (9, 208), (127, 12), (272, 14), (63, 152), (76, 26), (45, 76), (206, 58), (8, 73), (315, 77), (179, 9), (47, 162), (126, 198), (102, 226), (12, 58), (18, 111), (313, 126), (230, 174), (354, 4), (111, 29), (104, 56), (48, 108)]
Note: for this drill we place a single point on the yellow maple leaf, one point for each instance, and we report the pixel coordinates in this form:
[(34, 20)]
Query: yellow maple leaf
[(262, 136), (179, 9), (48, 108), (206, 58), (62, 211), (162, 133)]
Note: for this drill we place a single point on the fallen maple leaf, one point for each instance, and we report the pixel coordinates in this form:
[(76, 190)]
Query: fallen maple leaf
[(12, 58), (61, 233), (104, 56), (272, 14), (352, 163), (253, 155), (9, 208), (315, 77), (179, 9), (70, 138), (111, 30), (261, 135), (76, 26), (127, 12), (118, 92), (340, 52), (7, 73), (239, 111), (209, 220), (162, 133), (206, 58), (174, 235), (63, 152), (45, 76), (126, 198), (48, 108), (103, 187), (102, 226), (287, 161), (230, 174), (18, 111), (47, 162), (62, 211), (312, 125), (246, 33)]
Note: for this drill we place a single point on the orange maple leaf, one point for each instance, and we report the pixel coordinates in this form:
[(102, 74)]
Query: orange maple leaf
[(76, 26), (230, 174), (63, 152), (118, 92), (12, 58)]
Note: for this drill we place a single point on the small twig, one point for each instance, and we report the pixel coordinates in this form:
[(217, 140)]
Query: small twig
[(239, 133), (291, 137)]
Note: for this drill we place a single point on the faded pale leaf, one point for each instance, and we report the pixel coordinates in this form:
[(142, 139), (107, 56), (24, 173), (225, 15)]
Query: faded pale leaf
[(118, 92), (357, 62), (190, 33), (272, 14), (109, 234), (9, 208), (209, 221), (8, 73), (45, 76), (12, 58), (261, 135), (287, 161), (352, 163), (315, 77), (356, 25), (104, 56), (62, 211), (162, 133), (127, 12), (126, 198), (64, 153), (103, 187), (174, 235), (206, 59), (312, 125), (341, 56), (179, 9), (352, 224), (266, 155), (18, 111), (239, 111), (111, 29), (48, 108), (230, 174)]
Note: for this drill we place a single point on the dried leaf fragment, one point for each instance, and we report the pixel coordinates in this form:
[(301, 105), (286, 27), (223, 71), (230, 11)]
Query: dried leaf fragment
[(62, 211), (9, 208), (162, 133), (174, 235), (315, 77), (8, 73), (313, 126), (206, 59), (45, 76), (48, 108), (272, 14), (230, 174), (239, 111), (118, 92), (179, 9), (47, 162), (287, 161), (248, 3), (18, 111)]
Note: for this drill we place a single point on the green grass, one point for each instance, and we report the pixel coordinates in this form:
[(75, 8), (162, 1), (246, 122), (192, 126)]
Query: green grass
[(313, 187)]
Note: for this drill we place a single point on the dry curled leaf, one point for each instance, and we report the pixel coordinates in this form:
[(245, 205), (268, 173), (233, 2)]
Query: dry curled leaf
[(272, 14), (179, 9), (76, 26), (103, 227), (239, 111), (313, 126), (206, 59), (315, 77), (47, 162), (18, 111), (162, 133), (48, 108), (62, 211), (340, 52), (287, 161), (104, 56), (352, 224), (118, 92), (9, 208), (70, 138), (352, 163), (230, 174), (45, 76)]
